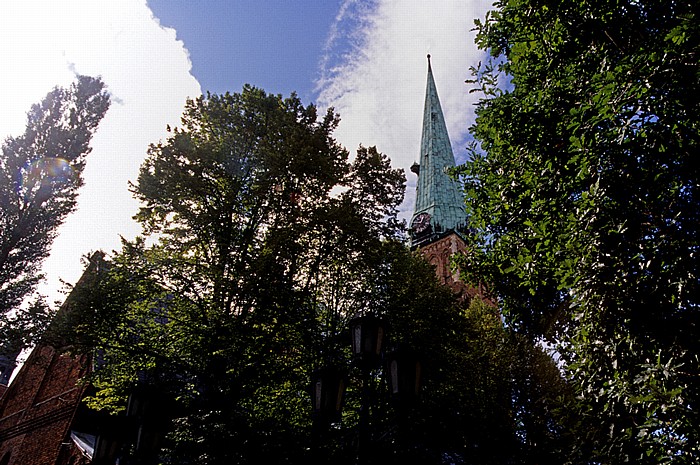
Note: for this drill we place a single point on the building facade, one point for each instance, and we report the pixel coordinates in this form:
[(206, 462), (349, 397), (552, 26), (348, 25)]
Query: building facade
[(43, 419), (38, 408)]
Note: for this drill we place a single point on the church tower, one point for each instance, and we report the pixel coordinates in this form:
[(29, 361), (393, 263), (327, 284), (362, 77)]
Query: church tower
[(439, 218)]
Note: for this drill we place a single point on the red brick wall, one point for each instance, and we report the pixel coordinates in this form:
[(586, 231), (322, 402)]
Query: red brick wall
[(439, 254), (37, 408)]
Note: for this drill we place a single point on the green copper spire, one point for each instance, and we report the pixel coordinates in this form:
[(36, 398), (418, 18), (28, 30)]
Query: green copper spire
[(439, 202)]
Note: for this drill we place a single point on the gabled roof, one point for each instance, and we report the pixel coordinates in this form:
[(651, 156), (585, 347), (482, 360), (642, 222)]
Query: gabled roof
[(437, 194)]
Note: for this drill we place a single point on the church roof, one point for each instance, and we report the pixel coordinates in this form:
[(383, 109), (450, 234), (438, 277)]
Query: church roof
[(437, 194)]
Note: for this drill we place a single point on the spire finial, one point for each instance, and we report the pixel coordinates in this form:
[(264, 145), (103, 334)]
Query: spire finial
[(429, 61)]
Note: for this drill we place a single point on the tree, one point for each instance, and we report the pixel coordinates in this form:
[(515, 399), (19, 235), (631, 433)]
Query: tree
[(586, 200), (487, 393), (265, 240), (40, 174), (237, 298)]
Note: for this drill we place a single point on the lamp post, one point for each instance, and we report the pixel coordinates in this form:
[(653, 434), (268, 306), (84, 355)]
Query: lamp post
[(367, 337), (403, 370)]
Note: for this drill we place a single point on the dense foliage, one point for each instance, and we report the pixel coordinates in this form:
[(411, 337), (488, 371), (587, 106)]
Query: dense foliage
[(585, 197), (249, 246), (40, 174), (263, 240)]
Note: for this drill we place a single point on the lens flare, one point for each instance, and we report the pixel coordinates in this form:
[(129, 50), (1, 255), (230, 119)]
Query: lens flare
[(41, 177)]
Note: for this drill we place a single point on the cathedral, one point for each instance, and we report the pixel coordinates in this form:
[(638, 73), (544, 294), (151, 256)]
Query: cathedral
[(42, 418)]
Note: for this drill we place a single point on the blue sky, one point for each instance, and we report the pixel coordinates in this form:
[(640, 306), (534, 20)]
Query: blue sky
[(277, 46), (365, 58)]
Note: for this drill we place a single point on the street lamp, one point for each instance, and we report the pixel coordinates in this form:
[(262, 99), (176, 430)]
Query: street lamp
[(403, 370), (327, 394), (367, 339), (404, 374), (367, 333)]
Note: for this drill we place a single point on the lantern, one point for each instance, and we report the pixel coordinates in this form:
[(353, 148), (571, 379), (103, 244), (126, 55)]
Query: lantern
[(367, 334), (327, 393), (404, 374)]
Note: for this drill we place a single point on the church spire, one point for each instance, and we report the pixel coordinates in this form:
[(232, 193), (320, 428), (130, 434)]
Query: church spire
[(439, 206)]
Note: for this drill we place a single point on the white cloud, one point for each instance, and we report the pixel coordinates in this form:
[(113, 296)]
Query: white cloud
[(377, 84), (42, 44), (374, 73)]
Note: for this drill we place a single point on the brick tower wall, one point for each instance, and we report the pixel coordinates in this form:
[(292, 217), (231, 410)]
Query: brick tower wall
[(439, 254)]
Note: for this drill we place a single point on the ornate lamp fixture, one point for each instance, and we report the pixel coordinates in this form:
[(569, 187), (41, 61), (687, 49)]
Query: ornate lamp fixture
[(404, 374), (367, 333), (327, 394)]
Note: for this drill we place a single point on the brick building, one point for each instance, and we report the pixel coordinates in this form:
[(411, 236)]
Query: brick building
[(38, 408), (42, 419)]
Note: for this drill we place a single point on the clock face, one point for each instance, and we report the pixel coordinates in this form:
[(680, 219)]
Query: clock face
[(421, 223)]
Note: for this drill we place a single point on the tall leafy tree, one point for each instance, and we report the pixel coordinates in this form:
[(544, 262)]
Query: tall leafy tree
[(489, 396), (261, 231), (586, 200), (263, 241), (40, 174)]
